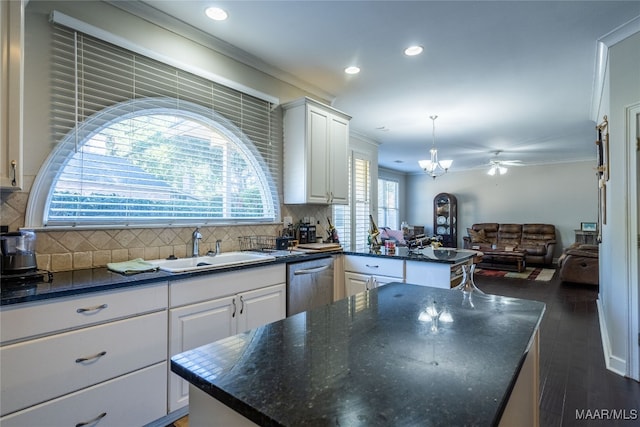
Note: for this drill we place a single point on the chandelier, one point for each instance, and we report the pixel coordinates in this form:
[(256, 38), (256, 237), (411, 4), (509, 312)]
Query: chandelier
[(434, 167)]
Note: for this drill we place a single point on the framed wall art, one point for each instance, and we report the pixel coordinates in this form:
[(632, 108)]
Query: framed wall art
[(602, 144), (602, 172)]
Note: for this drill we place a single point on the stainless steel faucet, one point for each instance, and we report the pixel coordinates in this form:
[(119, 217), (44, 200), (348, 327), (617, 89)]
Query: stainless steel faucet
[(217, 251), (196, 237)]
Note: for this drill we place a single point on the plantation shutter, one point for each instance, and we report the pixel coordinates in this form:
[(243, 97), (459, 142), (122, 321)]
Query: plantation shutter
[(352, 221), (140, 141)]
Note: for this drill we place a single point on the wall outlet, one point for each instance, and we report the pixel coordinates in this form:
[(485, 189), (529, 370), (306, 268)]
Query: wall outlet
[(305, 220), (312, 220)]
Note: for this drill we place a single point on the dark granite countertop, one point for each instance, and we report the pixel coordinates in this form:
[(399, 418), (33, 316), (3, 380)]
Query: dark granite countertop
[(374, 359), (427, 254), (79, 282)]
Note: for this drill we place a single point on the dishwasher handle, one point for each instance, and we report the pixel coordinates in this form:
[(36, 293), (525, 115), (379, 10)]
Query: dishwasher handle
[(311, 270)]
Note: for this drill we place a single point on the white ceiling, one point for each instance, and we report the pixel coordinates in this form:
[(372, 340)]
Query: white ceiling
[(515, 76)]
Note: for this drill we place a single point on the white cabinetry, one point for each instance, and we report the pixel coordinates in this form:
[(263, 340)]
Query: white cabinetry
[(316, 139), (11, 79), (212, 307), (364, 273), (78, 359), (434, 274)]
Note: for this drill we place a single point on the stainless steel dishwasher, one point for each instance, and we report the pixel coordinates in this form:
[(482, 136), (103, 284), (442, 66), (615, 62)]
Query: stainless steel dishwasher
[(309, 284)]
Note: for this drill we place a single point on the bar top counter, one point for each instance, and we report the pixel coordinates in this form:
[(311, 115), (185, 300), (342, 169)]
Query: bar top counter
[(427, 254), (397, 355)]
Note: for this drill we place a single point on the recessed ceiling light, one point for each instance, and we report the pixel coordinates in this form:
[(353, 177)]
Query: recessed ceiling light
[(216, 13), (413, 50), (352, 70)]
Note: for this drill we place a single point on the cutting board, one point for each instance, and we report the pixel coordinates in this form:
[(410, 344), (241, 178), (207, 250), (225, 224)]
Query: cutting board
[(319, 247)]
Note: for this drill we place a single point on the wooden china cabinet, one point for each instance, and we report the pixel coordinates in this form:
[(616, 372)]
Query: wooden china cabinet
[(445, 219)]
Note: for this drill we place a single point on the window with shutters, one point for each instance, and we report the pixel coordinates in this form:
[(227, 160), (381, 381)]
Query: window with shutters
[(388, 203), (139, 142), (352, 221)]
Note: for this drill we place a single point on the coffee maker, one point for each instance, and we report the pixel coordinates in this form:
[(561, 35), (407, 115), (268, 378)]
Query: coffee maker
[(18, 252)]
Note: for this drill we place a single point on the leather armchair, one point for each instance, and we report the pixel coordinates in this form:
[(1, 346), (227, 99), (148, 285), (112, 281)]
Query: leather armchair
[(579, 264)]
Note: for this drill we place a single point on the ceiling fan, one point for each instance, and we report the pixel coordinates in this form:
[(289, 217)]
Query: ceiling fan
[(499, 167)]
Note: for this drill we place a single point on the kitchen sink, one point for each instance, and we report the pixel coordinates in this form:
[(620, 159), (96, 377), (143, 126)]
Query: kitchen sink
[(225, 259)]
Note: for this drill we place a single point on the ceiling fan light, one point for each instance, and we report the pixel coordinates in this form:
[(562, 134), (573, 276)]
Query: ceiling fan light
[(502, 170), (492, 171)]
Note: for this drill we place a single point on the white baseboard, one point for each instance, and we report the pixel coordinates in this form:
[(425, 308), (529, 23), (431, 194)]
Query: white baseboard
[(613, 363)]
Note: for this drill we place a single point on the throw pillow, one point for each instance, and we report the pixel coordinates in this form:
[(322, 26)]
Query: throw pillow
[(477, 236)]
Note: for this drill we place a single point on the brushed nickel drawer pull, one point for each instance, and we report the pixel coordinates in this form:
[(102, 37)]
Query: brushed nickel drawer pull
[(96, 419), (95, 308), (88, 358), (372, 266)]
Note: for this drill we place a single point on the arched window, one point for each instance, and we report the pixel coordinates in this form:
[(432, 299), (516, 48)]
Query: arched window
[(141, 143), (149, 162)]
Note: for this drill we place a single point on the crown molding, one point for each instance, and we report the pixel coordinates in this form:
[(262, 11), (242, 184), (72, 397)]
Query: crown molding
[(602, 61)]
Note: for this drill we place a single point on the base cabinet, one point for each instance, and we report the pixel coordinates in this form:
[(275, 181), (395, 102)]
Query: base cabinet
[(362, 273), (356, 282), (83, 360), (437, 275), (134, 399), (203, 322)]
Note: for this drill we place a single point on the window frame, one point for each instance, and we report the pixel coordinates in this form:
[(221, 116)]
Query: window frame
[(52, 168), (383, 209)]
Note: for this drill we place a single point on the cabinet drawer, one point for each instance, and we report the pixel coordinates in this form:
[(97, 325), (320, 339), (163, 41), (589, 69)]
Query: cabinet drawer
[(375, 265), (216, 285), (21, 321), (135, 399), (44, 368)]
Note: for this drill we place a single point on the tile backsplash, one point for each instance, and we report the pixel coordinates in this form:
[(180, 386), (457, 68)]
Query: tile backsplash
[(63, 250)]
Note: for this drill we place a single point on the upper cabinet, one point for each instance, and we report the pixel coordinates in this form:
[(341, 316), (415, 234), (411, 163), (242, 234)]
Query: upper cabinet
[(11, 48), (445, 219), (316, 140)]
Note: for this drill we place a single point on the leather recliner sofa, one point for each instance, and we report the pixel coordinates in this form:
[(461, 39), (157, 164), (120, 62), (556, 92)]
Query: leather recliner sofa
[(537, 240), (579, 263)]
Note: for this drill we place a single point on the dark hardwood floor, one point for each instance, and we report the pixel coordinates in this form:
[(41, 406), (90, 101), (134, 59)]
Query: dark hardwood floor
[(573, 376)]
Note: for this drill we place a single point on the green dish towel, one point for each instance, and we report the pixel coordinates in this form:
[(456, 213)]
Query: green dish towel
[(133, 266)]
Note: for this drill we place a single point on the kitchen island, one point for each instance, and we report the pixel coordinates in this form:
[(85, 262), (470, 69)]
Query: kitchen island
[(396, 355)]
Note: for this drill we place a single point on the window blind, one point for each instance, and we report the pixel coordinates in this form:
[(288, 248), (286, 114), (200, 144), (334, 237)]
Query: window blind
[(142, 141)]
